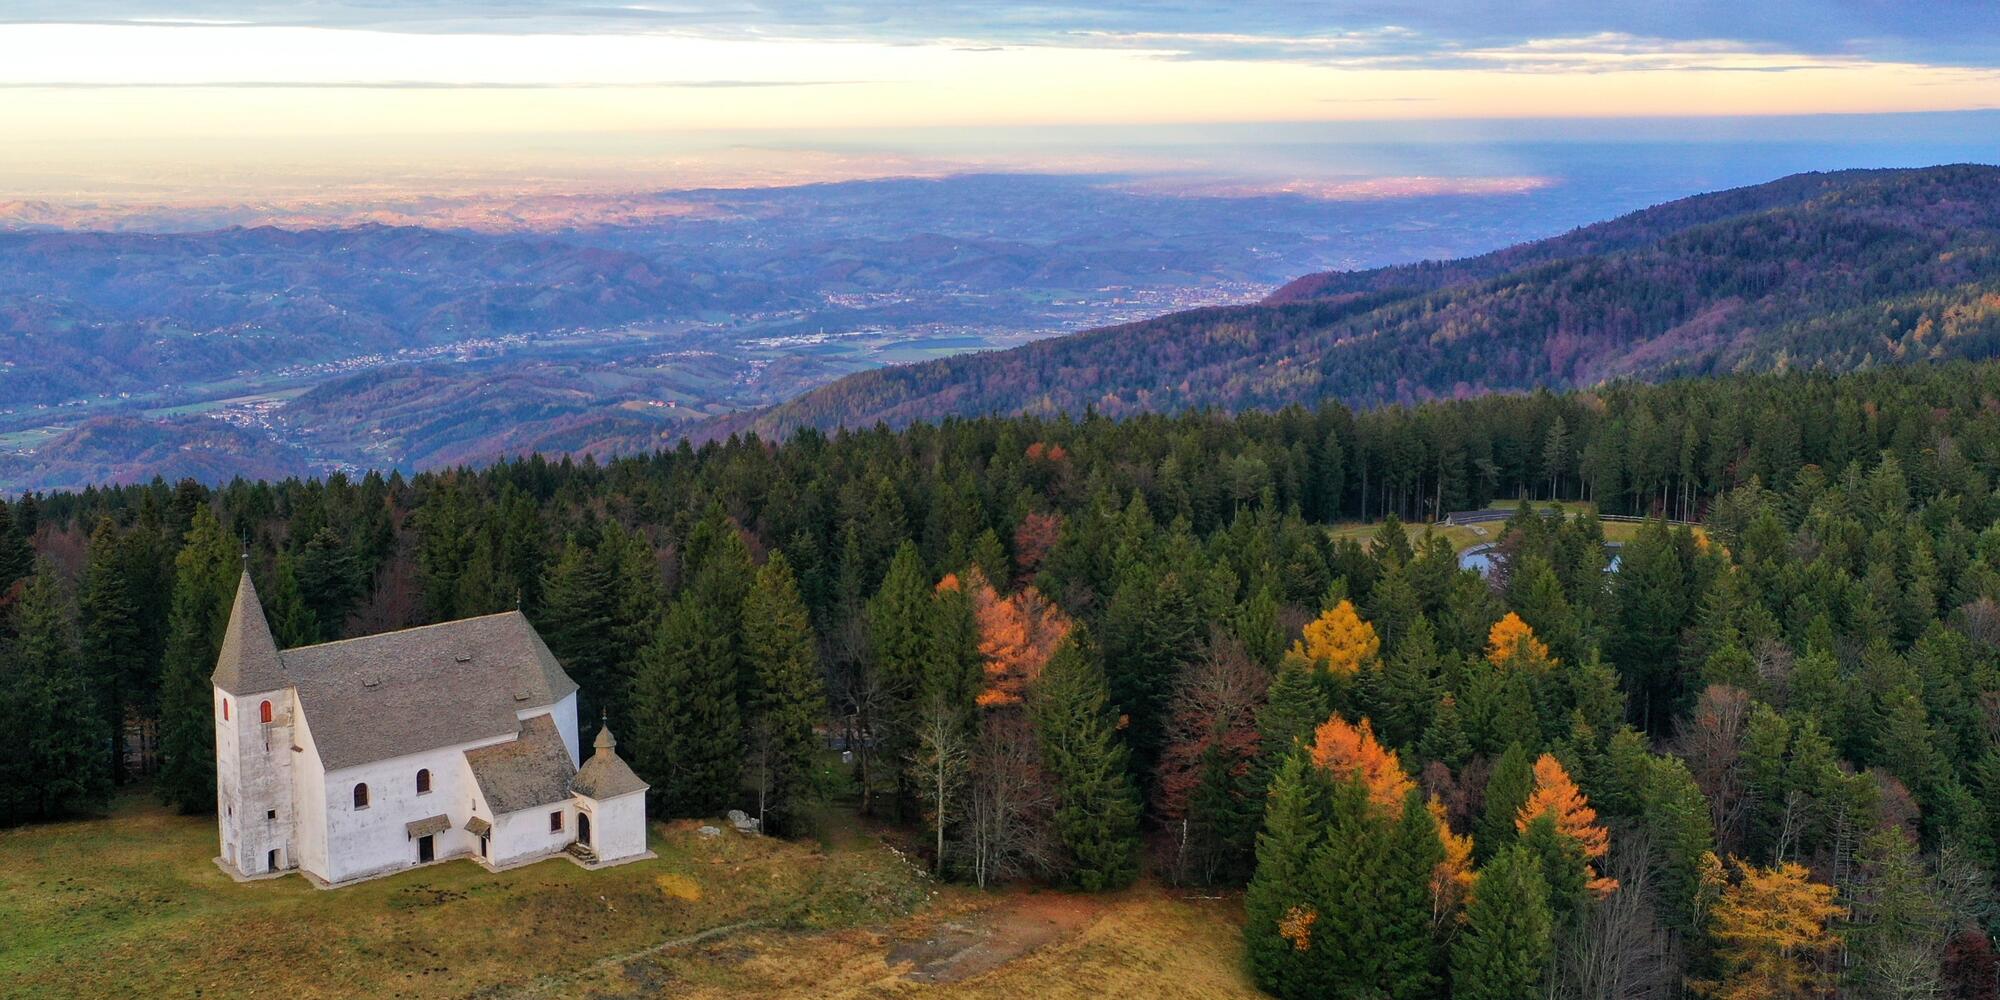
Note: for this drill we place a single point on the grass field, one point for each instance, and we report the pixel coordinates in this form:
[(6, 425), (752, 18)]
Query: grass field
[(132, 905), (1464, 536)]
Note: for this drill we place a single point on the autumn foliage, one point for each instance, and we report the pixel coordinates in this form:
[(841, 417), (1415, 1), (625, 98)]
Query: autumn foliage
[(1771, 929), (1556, 795), (1017, 635), (1348, 750), (1340, 640), (1511, 640)]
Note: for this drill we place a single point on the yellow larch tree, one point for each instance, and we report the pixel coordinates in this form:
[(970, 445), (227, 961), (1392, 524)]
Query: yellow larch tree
[(1339, 640), (1510, 640), (1772, 933)]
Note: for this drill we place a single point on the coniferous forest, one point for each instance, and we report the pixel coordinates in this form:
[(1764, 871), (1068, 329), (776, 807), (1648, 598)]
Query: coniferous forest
[(1751, 752)]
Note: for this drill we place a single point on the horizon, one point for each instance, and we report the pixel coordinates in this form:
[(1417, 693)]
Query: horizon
[(204, 100)]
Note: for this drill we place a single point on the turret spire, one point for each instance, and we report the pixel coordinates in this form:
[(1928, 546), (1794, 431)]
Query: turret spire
[(248, 661)]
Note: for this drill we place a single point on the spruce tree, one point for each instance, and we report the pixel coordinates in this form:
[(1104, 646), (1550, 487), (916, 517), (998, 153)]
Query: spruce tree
[(686, 735), (576, 615), (113, 646), (1507, 790), (205, 575), (1502, 950), (790, 696), (1096, 819), (899, 618), (1279, 912), (1411, 959), (55, 734), (292, 622)]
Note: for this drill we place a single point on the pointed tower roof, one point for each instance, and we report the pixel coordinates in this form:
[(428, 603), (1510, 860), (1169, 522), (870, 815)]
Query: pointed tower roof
[(248, 662), (606, 775)]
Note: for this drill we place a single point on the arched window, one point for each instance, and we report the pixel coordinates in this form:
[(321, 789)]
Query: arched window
[(424, 781), (225, 710), (264, 712), (361, 795)]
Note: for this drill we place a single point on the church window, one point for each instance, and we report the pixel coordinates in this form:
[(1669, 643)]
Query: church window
[(424, 781), (225, 710), (361, 795), (270, 814), (555, 821), (264, 712)]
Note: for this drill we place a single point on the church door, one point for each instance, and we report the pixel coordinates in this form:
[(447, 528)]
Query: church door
[(426, 851), (583, 828)]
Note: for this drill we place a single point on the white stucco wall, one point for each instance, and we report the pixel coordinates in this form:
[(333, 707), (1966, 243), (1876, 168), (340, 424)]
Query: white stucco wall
[(373, 839), (617, 825), (253, 780), (308, 799), (518, 836)]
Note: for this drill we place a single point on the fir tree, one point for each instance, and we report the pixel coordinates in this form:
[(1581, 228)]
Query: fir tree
[(1096, 818), (688, 746), (1501, 952), (790, 696), (1507, 790), (899, 617), (113, 644), (54, 737), (205, 575), (1279, 913), (292, 622)]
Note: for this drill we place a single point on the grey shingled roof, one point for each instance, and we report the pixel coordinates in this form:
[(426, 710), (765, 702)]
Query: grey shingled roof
[(606, 775), (248, 662), (384, 696), (532, 770)]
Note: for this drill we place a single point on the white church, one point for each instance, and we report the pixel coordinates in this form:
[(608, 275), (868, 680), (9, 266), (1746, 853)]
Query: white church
[(358, 758)]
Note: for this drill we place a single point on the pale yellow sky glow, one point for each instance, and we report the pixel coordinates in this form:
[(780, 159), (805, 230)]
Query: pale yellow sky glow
[(88, 101), (94, 81)]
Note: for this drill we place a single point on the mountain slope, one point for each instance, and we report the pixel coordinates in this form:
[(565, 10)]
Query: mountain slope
[(1840, 270)]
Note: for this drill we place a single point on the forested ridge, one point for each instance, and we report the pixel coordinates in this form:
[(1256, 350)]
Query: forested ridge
[(1760, 759), (1841, 272)]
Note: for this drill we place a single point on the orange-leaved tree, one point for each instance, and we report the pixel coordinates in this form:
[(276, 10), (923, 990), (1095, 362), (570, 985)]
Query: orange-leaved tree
[(1772, 934), (1017, 635), (1512, 641), (1339, 640), (1347, 750), (1556, 795)]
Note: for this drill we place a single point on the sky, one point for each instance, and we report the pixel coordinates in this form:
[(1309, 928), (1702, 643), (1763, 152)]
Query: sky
[(103, 96)]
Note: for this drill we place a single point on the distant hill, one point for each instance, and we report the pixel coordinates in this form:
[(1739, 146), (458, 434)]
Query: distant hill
[(86, 313), (1838, 270)]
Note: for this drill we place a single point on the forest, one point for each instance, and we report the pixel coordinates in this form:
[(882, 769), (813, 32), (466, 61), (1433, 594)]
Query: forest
[(1758, 757)]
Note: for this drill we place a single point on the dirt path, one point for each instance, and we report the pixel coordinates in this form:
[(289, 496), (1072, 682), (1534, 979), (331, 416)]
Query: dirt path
[(988, 939)]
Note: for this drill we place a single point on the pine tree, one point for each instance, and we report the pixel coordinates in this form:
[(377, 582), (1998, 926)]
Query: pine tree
[(1505, 944), (687, 742), (1096, 817), (332, 580), (17, 559), (205, 574), (790, 697), (1444, 739)]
